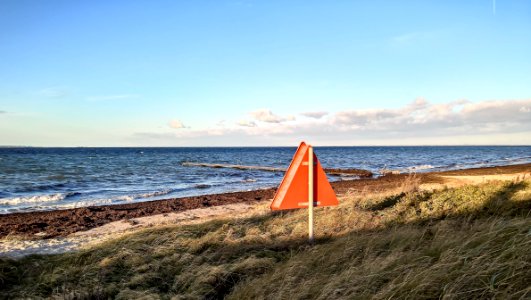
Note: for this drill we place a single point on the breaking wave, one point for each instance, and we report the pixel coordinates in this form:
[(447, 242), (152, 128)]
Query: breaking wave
[(143, 195), (36, 199)]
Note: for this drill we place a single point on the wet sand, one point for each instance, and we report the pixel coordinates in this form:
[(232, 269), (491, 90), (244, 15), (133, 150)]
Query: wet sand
[(60, 223)]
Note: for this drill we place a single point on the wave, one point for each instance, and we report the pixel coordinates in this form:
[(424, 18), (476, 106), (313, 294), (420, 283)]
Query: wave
[(238, 167), (76, 204), (56, 177), (142, 195), (202, 186), (39, 202), (42, 187), (57, 197), (514, 159), (466, 165), (489, 163), (36, 199), (346, 172), (155, 194)]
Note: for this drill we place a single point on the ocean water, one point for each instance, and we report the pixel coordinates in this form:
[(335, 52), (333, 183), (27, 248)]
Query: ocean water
[(34, 179)]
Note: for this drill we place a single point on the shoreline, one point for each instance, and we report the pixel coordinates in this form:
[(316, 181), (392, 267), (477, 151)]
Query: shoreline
[(56, 223)]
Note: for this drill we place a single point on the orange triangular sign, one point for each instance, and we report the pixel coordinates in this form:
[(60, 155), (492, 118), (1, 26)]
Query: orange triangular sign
[(293, 190)]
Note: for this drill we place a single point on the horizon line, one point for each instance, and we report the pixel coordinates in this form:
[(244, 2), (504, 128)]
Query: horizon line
[(284, 146)]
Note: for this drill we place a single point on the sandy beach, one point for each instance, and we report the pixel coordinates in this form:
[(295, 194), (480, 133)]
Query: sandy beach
[(67, 230)]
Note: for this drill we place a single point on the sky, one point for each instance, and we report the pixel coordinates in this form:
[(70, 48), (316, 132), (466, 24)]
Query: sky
[(265, 73)]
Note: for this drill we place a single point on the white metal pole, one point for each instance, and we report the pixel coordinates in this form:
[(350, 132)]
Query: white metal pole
[(310, 194)]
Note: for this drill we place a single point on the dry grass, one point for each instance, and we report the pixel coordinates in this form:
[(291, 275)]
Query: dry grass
[(468, 242)]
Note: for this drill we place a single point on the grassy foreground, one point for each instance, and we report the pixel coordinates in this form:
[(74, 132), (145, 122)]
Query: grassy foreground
[(468, 242)]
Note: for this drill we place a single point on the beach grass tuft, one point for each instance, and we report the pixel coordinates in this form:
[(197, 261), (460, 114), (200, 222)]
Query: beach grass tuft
[(466, 242)]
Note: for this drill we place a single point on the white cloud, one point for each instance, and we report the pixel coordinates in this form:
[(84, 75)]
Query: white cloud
[(176, 124), (265, 115), (246, 123), (113, 97), (438, 118), (419, 122), (496, 112), (315, 114)]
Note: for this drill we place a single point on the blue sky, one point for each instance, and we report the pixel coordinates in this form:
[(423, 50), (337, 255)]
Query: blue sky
[(253, 73)]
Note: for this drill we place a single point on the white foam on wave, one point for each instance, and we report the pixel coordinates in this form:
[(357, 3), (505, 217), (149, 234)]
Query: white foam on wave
[(32, 199), (63, 205), (155, 194), (84, 203), (45, 202), (77, 204), (142, 195), (125, 198)]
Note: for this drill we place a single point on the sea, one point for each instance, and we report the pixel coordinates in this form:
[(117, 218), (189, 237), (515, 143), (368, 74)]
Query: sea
[(37, 179)]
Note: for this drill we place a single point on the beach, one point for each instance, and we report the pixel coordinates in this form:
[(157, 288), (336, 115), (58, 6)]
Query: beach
[(58, 231), (395, 236)]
